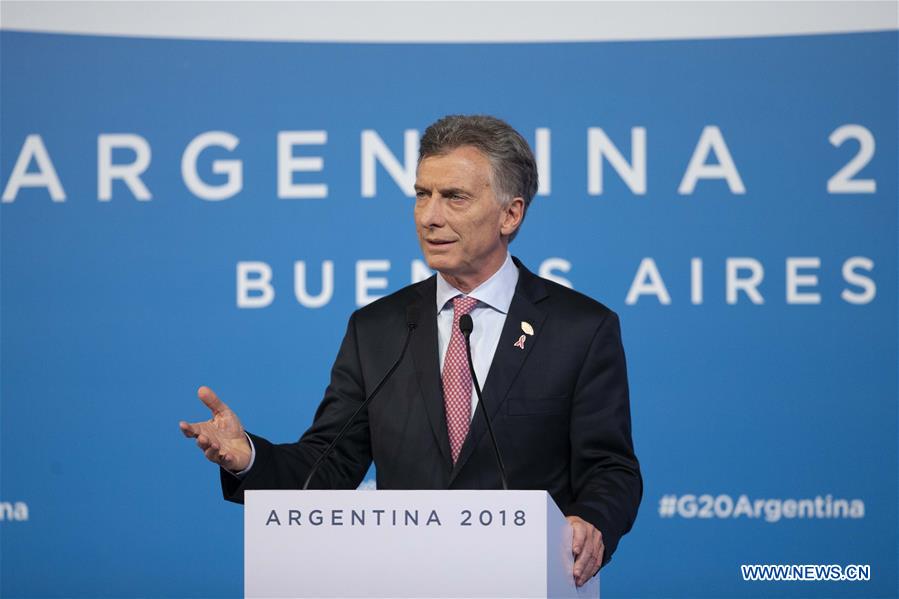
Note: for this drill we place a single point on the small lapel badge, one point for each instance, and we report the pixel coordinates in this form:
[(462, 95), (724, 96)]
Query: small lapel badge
[(527, 328), (520, 343)]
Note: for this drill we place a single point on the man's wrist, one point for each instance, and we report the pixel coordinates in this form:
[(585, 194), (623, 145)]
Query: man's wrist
[(244, 472)]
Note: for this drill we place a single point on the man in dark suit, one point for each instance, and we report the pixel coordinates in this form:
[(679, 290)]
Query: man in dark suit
[(551, 360)]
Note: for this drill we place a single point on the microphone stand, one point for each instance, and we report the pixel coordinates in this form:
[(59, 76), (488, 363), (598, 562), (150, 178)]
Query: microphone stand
[(466, 325)]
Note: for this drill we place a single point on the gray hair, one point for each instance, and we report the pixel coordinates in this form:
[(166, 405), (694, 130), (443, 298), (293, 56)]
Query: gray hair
[(514, 168)]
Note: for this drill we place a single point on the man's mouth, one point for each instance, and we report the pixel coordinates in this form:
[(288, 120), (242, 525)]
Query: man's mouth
[(440, 241)]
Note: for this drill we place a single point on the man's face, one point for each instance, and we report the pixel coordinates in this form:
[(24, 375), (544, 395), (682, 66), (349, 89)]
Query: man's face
[(461, 224)]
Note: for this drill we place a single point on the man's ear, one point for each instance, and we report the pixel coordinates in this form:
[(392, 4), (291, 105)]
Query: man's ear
[(513, 214)]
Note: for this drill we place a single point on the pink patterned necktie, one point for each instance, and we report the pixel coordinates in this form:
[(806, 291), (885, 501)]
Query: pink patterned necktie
[(457, 379)]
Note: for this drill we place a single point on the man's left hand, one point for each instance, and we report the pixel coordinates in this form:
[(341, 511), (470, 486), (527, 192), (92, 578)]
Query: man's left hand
[(587, 547)]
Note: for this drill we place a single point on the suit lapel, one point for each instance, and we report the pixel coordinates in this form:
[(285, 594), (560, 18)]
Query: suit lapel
[(427, 366), (508, 359)]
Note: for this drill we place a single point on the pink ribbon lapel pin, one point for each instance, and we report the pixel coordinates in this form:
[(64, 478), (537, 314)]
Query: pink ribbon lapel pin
[(528, 330)]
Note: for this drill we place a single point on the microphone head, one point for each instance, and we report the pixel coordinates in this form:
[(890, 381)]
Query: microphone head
[(412, 314), (466, 324)]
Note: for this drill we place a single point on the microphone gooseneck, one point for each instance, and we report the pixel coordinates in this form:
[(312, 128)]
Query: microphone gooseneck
[(412, 315), (466, 326)]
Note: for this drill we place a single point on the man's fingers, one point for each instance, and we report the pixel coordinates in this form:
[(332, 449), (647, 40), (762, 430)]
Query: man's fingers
[(590, 568), (587, 547), (577, 538), (582, 563), (593, 561), (217, 406), (187, 430), (212, 454), (586, 569), (210, 447), (208, 397)]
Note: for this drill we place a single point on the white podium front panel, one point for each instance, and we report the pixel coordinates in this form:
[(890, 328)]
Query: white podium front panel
[(407, 544)]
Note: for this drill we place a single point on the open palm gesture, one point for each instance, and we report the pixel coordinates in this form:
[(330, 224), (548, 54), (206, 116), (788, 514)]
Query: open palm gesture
[(222, 437)]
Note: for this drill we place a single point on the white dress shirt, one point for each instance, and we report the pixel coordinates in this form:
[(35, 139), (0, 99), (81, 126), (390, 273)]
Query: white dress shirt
[(494, 298)]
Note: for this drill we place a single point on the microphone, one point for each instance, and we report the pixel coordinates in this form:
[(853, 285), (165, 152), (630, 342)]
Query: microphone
[(466, 325), (412, 315)]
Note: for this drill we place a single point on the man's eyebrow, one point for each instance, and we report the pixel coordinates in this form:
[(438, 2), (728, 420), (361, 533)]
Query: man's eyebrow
[(450, 191), (445, 191)]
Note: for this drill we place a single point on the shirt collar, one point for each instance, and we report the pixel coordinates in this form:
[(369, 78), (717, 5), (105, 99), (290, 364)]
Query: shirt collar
[(496, 292)]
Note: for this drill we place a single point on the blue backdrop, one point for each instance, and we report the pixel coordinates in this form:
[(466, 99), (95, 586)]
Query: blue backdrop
[(114, 312)]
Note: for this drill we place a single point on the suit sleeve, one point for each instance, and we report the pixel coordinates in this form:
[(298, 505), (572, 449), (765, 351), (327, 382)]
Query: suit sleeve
[(605, 474), (286, 466)]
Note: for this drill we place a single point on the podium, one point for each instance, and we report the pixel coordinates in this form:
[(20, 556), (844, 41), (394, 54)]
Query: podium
[(407, 544)]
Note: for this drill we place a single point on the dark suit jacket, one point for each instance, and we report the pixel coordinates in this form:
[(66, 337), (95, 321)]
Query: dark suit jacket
[(559, 408)]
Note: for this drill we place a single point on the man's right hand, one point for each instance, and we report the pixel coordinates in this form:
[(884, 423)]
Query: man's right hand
[(222, 437)]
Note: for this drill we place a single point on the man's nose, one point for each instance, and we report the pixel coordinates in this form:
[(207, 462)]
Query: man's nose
[(430, 212)]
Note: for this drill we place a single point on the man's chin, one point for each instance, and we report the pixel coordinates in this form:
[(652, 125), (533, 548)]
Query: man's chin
[(439, 263)]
